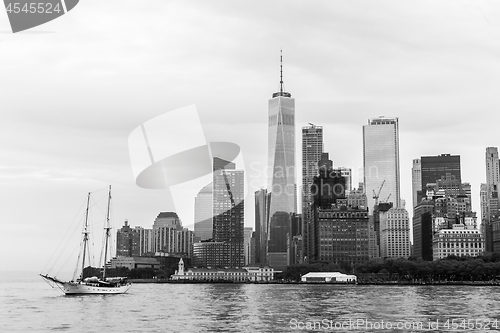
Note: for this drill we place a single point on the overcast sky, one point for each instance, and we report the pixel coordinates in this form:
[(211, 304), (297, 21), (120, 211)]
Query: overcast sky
[(74, 89)]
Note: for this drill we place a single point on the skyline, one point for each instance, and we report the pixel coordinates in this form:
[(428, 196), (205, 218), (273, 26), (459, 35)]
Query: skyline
[(70, 105)]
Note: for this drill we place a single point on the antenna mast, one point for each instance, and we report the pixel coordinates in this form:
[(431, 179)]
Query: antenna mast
[(281, 72)]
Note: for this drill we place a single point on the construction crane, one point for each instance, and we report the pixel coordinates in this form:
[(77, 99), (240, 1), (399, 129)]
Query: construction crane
[(387, 199), (376, 195)]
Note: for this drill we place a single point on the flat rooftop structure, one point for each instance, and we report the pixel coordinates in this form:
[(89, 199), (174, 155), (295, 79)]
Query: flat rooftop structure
[(328, 277)]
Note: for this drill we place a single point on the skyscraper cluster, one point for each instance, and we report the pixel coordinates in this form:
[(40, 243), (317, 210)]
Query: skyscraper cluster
[(443, 221), (337, 223)]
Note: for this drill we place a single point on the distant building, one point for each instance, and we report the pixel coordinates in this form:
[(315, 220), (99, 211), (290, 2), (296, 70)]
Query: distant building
[(461, 240), (328, 277), (490, 224), (203, 224), (280, 229), (135, 262), (145, 241), (440, 167), (261, 226), (170, 237), (128, 241), (342, 235), (211, 254), (347, 174), (312, 148), (228, 211), (395, 233), (248, 231), (245, 274), (328, 186), (381, 160), (422, 230), (416, 180)]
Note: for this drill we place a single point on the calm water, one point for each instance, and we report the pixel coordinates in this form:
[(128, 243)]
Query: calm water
[(32, 306)]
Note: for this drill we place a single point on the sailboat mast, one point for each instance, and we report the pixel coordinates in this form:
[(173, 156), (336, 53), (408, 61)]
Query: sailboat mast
[(85, 234), (107, 228)]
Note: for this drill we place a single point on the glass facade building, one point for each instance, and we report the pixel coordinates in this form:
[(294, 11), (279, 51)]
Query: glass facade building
[(203, 229), (228, 210), (437, 167), (381, 160), (281, 154), (281, 167)]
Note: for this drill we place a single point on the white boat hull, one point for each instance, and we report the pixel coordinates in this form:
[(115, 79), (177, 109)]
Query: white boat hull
[(89, 288)]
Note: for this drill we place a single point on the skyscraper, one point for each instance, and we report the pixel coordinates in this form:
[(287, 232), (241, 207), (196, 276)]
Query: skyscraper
[(312, 148), (416, 182), (281, 151), (128, 241), (491, 222), (281, 166), (170, 237), (261, 226), (437, 167), (394, 233), (203, 202), (381, 160), (492, 181), (228, 214)]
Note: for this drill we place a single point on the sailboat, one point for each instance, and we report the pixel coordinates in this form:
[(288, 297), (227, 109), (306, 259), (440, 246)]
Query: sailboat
[(92, 285)]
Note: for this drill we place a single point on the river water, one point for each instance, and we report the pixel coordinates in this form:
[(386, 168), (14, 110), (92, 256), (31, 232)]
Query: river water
[(32, 306)]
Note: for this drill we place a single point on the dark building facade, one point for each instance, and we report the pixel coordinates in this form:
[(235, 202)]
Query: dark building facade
[(438, 167), (212, 254), (422, 230), (228, 211), (342, 235), (337, 233), (261, 226), (127, 242)]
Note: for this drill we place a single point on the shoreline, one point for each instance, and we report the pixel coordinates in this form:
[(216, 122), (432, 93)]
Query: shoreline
[(384, 283)]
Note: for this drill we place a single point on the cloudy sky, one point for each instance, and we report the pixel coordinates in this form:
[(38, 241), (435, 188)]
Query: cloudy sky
[(72, 91)]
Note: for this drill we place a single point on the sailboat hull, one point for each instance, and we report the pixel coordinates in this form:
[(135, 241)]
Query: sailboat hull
[(84, 288)]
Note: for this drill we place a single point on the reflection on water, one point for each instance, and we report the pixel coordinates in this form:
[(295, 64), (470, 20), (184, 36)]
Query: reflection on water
[(33, 306)]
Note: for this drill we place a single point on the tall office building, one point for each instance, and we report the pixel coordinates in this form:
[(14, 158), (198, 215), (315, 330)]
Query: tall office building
[(128, 241), (248, 231), (281, 162), (170, 237), (438, 167), (416, 182), (483, 193), (492, 181), (228, 211), (347, 174), (327, 188), (312, 148), (492, 166), (261, 226), (395, 233), (422, 230), (203, 202), (381, 160), (491, 222), (281, 151)]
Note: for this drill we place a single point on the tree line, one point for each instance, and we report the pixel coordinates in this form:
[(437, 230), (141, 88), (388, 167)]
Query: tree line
[(452, 268)]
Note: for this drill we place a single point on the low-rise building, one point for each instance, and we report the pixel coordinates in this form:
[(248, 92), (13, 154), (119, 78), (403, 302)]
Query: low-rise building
[(244, 274), (328, 277), (135, 262), (461, 240)]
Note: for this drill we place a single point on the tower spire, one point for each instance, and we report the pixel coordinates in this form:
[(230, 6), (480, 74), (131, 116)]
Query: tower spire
[(282, 91), (281, 71)]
